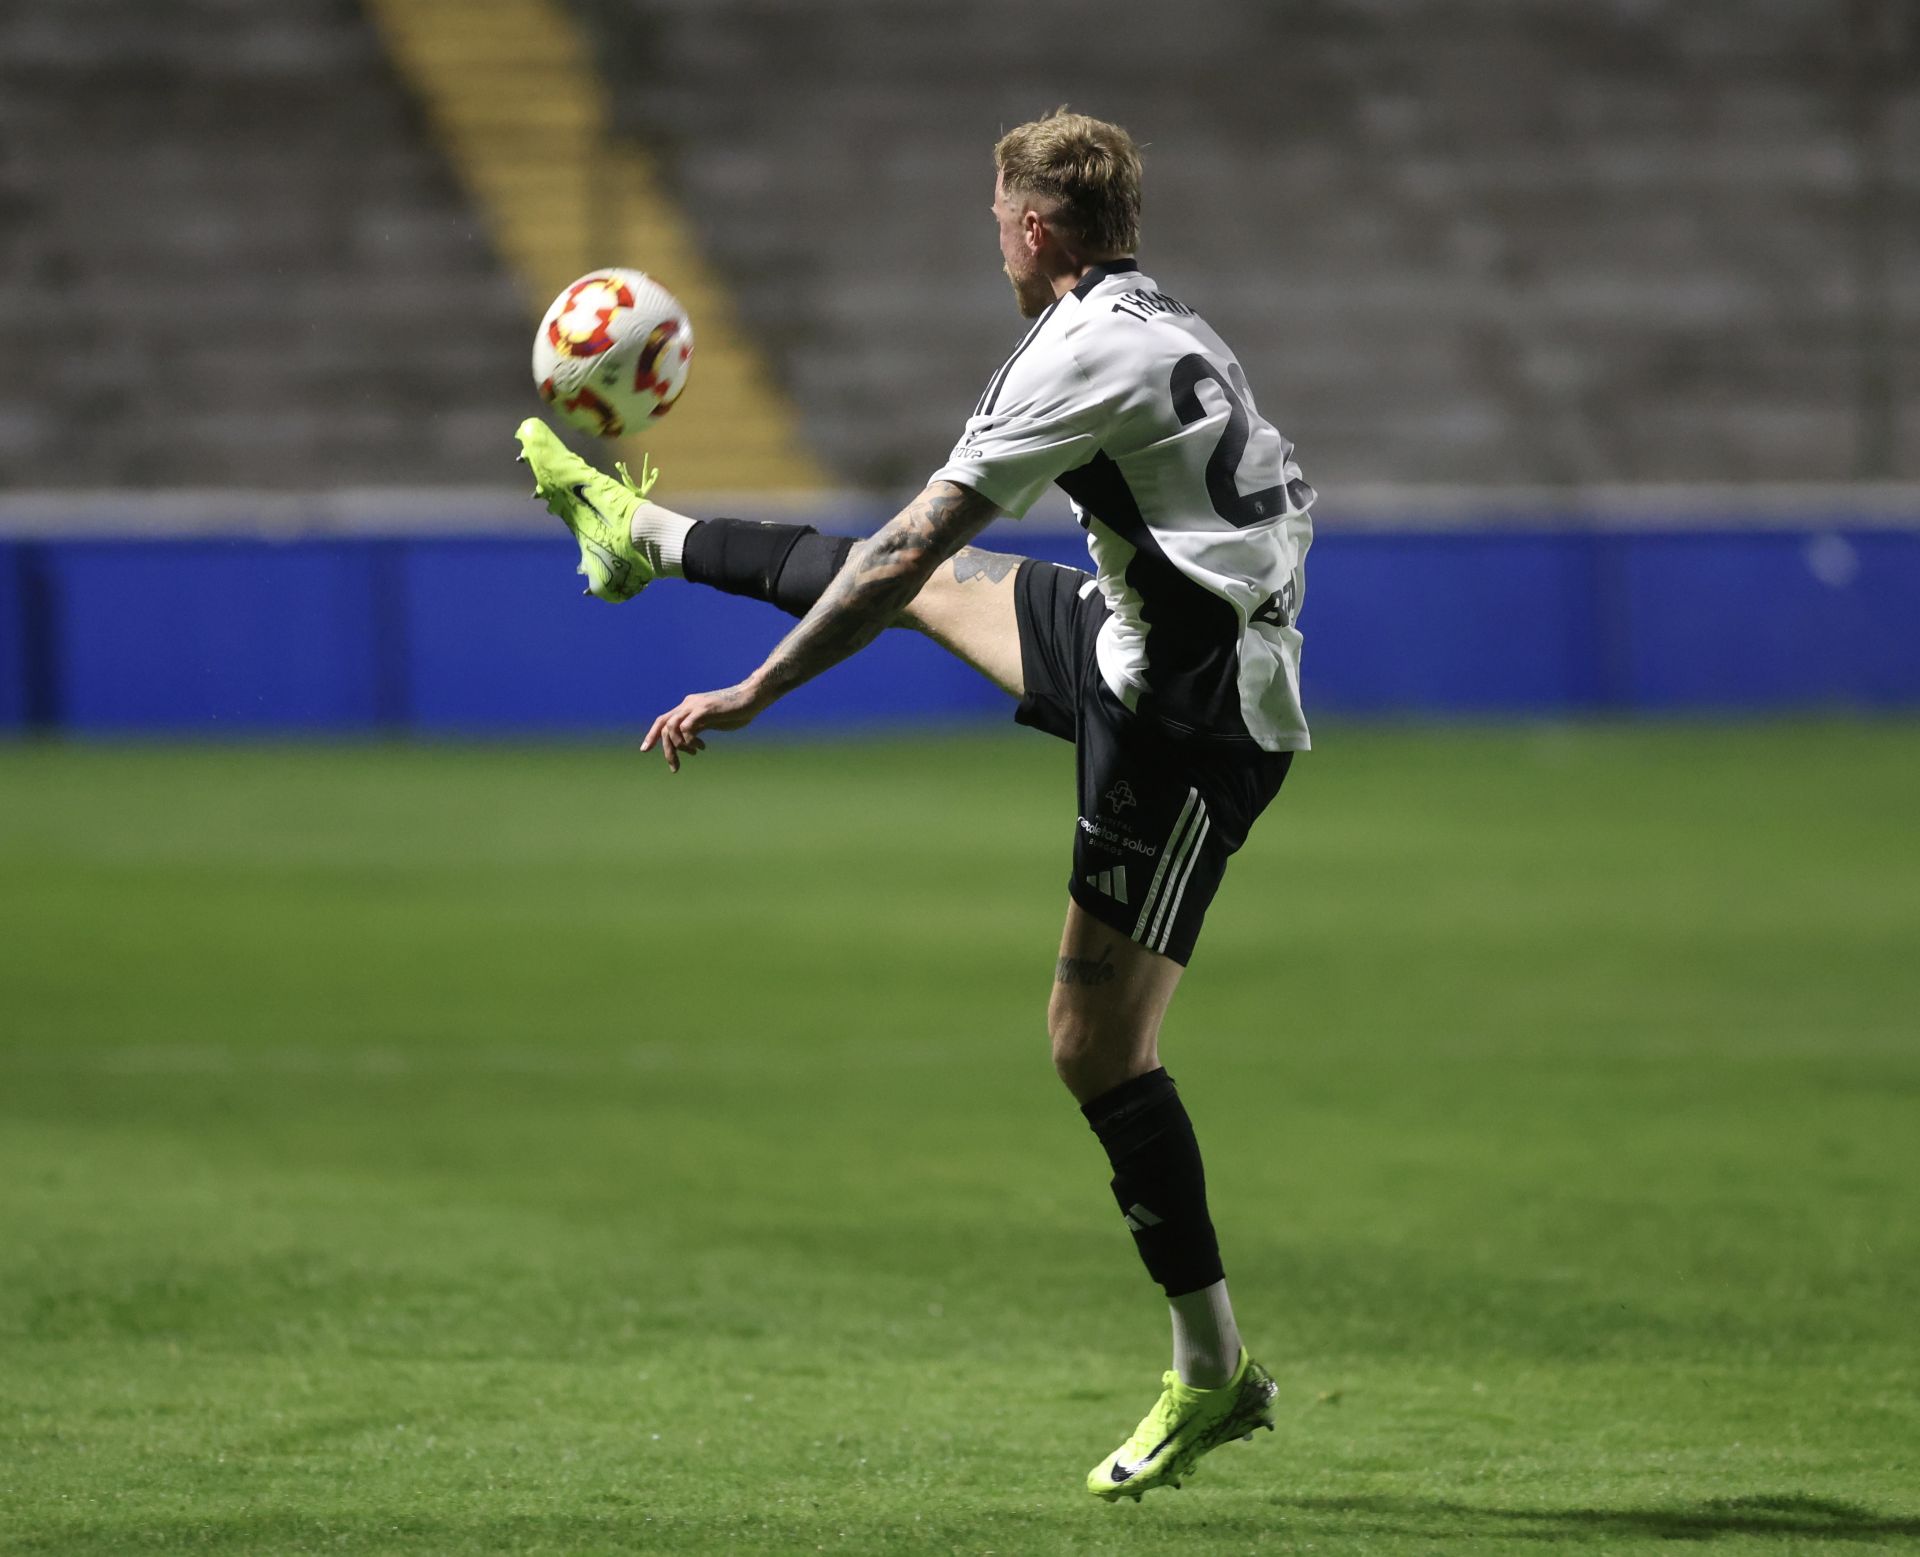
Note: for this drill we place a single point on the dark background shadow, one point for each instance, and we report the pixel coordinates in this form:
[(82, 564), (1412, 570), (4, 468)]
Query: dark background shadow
[(1780, 1514)]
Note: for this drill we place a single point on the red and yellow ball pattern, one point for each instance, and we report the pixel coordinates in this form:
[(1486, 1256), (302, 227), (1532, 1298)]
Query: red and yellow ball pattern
[(614, 349)]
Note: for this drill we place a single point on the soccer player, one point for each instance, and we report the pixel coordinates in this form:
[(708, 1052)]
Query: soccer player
[(1173, 668)]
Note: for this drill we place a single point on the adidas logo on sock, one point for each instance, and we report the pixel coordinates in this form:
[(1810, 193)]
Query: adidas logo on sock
[(1139, 1219), (1112, 882)]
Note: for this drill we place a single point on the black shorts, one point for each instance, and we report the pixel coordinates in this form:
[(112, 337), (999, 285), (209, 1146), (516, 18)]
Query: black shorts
[(1159, 813)]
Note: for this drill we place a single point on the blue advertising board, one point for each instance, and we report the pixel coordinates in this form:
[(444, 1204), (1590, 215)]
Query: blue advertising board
[(487, 634)]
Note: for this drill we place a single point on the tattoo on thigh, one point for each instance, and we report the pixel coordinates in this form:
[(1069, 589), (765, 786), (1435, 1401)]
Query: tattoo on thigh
[(970, 563), (1087, 970)]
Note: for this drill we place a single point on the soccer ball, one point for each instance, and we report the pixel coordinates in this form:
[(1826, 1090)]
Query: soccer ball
[(613, 350)]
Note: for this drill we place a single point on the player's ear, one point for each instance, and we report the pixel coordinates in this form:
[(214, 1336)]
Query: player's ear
[(1033, 227)]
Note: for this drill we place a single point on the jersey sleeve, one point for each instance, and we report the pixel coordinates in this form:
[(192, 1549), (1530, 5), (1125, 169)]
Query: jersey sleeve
[(1040, 418)]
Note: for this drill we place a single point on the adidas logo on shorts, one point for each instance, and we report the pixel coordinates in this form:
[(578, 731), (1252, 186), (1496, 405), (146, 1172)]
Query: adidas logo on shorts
[(1112, 882)]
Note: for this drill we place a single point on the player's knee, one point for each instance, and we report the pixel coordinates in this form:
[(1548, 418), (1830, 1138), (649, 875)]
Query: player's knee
[(1092, 1056), (1070, 1046)]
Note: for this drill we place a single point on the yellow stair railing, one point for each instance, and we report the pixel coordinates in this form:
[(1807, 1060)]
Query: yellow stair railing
[(513, 94)]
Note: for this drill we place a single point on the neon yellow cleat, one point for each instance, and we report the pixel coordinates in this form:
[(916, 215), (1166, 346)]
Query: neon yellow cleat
[(598, 509), (1184, 1424)]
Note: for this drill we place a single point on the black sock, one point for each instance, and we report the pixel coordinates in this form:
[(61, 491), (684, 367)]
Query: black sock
[(1158, 1180), (787, 565)]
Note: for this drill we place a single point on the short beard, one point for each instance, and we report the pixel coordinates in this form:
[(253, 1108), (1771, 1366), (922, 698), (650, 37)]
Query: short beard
[(1033, 297)]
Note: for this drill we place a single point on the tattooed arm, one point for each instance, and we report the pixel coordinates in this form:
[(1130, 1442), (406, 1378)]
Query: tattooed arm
[(881, 577)]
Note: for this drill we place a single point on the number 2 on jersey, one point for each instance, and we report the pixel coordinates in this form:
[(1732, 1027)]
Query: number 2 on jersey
[(1223, 465)]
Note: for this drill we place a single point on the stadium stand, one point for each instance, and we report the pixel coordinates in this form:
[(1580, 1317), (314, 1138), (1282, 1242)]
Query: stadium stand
[(514, 97), (232, 258), (1478, 242), (1466, 242)]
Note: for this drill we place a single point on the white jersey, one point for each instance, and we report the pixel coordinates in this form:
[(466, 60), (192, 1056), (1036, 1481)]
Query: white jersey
[(1195, 512)]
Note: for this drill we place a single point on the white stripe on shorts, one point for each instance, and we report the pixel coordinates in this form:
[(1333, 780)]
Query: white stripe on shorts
[(1166, 857), (1172, 857), (1193, 856)]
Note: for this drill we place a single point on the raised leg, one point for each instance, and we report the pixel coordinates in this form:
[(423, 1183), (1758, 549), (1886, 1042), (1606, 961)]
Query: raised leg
[(967, 608)]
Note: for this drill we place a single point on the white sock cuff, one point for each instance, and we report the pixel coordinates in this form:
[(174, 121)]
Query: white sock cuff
[(663, 532), (1205, 1337)]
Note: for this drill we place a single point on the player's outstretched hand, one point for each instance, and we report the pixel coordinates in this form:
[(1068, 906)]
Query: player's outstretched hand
[(678, 729)]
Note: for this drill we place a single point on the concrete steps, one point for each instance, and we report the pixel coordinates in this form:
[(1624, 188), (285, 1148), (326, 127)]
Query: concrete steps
[(514, 92), (1504, 242), (240, 263)]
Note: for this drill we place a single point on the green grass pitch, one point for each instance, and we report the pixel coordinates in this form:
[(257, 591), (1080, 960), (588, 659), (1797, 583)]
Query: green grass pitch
[(447, 1150)]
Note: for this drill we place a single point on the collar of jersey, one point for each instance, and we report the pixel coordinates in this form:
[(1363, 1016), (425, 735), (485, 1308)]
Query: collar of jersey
[(1100, 272)]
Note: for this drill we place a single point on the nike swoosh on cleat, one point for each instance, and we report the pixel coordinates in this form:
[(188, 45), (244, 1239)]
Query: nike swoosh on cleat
[(579, 490), (1121, 1473), (617, 567)]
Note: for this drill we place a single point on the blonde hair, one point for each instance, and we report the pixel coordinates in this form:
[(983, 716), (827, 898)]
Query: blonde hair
[(1089, 167)]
